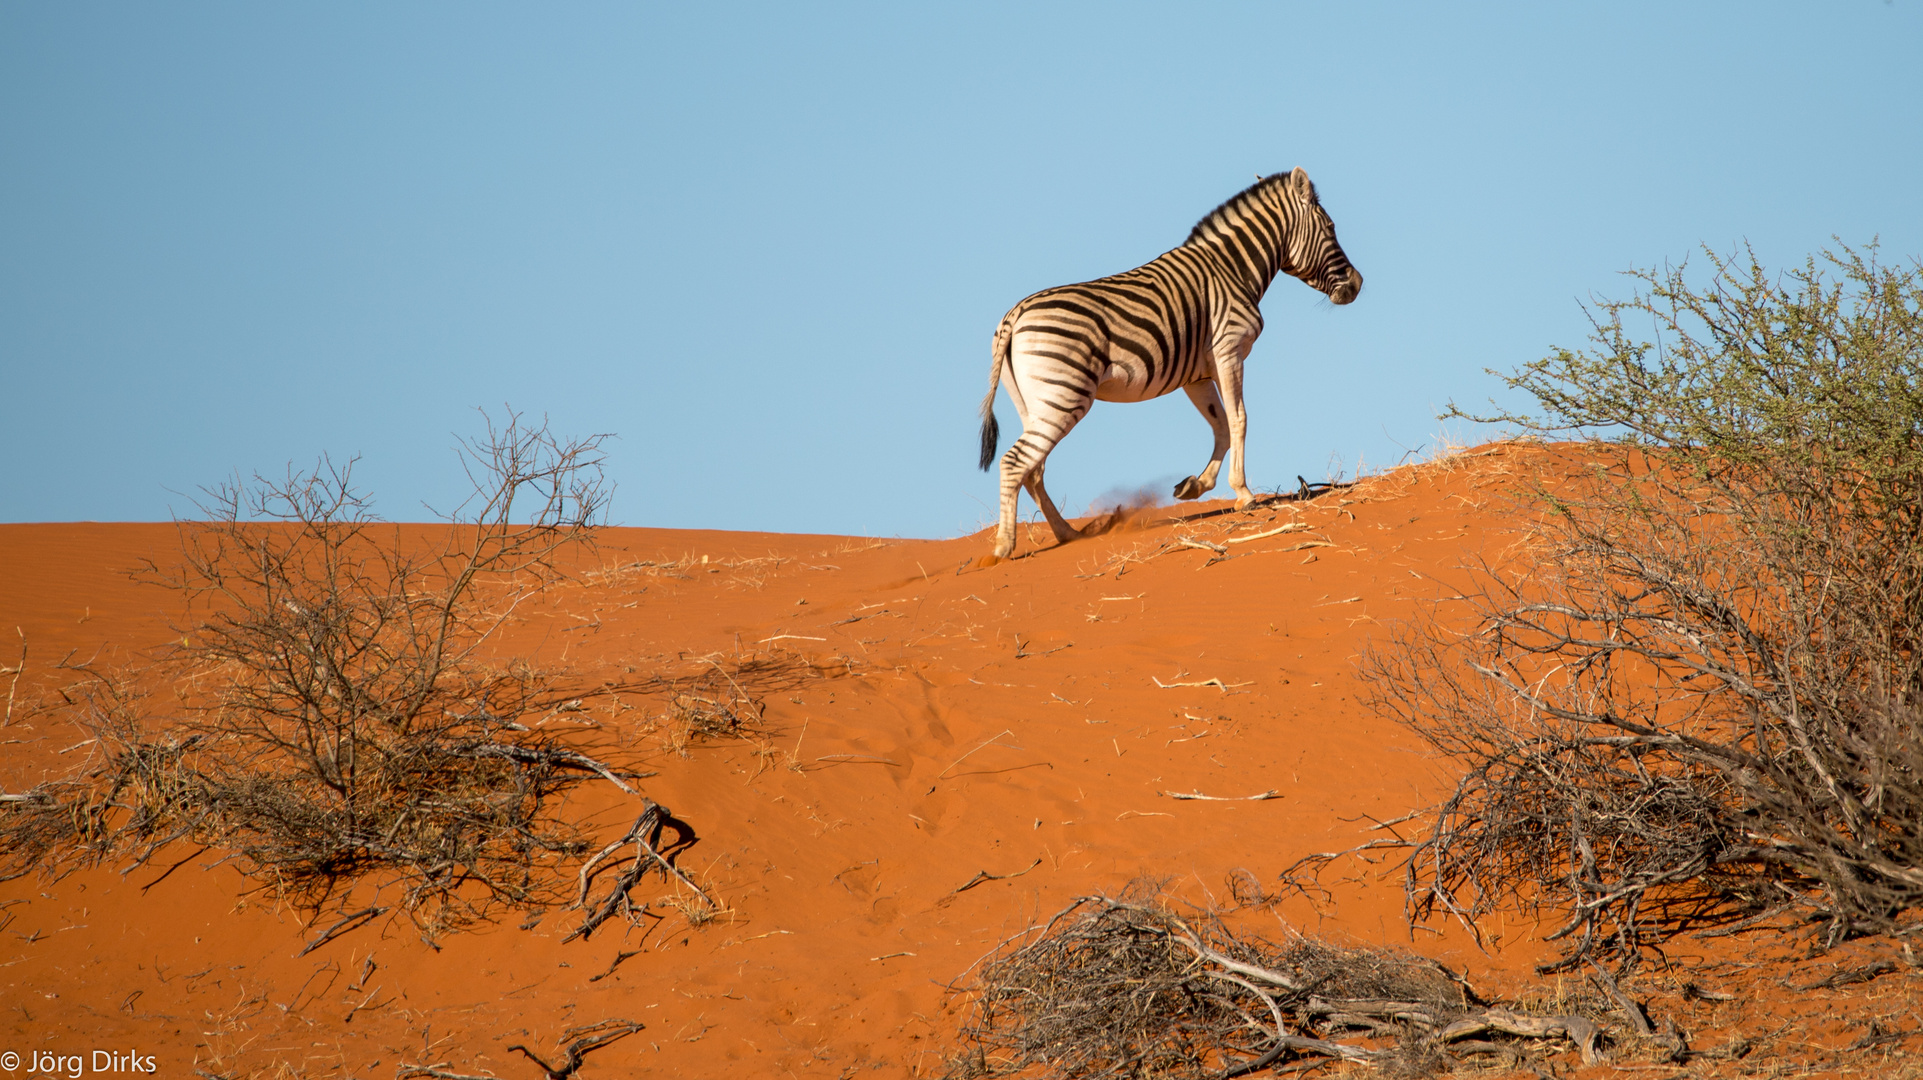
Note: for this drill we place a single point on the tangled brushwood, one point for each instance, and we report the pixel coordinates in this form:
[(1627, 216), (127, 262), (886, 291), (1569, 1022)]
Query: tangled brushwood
[(1689, 698), (341, 707), (1118, 988)]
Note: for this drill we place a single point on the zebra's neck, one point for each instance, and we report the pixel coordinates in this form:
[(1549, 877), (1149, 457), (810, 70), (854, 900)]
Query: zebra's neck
[(1247, 235)]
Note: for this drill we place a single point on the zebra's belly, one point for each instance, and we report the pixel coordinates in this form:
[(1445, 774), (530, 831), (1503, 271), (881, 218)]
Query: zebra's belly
[(1120, 384)]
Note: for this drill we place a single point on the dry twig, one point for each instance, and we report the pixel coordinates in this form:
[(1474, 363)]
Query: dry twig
[(984, 876), (1217, 683), (347, 923), (590, 1038), (984, 745)]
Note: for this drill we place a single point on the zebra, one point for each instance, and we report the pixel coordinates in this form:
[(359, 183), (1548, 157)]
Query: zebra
[(1184, 321)]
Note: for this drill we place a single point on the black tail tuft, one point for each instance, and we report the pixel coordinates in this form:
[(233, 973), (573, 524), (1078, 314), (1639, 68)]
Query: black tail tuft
[(991, 440)]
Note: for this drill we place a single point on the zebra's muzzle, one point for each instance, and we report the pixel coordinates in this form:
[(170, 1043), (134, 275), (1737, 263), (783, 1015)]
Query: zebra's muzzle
[(1347, 289)]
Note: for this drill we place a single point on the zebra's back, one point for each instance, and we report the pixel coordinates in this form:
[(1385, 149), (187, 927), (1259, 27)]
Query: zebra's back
[(1126, 337)]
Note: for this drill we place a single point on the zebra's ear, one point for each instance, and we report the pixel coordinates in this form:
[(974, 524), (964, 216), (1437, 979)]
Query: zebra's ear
[(1299, 183)]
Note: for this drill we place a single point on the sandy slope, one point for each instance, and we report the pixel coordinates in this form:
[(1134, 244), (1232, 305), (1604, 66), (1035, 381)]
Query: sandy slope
[(1027, 721)]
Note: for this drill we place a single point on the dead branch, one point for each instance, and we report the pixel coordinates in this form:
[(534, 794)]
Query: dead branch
[(16, 671), (350, 922), (1294, 526), (1630, 1009), (984, 745), (593, 1037), (550, 756), (1578, 1030), (1260, 796), (1125, 988), (1303, 546), (406, 1069), (870, 758), (644, 834), (1217, 683), (1863, 973), (620, 957), (1319, 858), (982, 876)]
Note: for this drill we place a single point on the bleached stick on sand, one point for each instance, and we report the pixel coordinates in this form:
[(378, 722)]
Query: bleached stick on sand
[(15, 671), (1269, 794), (964, 757), (407, 1070), (1293, 526), (1217, 683), (1295, 547), (858, 757)]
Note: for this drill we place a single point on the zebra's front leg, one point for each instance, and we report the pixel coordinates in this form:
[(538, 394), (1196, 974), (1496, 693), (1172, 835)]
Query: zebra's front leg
[(1228, 374), (1208, 402)]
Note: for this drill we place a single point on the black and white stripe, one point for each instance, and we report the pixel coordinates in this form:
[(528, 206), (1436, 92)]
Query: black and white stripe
[(1185, 321)]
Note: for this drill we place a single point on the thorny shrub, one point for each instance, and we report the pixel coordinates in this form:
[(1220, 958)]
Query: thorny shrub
[(1688, 697), (338, 709)]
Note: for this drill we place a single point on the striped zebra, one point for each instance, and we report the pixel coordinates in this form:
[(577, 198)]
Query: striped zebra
[(1185, 321)]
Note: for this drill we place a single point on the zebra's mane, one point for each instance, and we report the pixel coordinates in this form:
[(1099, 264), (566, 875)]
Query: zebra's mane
[(1239, 198)]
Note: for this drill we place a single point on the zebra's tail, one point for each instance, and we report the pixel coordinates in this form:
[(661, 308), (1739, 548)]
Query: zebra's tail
[(991, 429)]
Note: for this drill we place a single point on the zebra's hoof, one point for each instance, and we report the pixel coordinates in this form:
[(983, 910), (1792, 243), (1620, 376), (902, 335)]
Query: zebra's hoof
[(1190, 488)]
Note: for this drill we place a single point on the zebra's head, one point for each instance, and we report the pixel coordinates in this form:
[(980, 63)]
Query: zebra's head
[(1310, 251)]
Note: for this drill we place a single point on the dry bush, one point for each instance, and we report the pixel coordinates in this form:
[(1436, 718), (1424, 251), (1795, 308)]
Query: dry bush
[(132, 795), (694, 718), (340, 709), (716, 702), (1691, 695), (706, 699), (1126, 988)]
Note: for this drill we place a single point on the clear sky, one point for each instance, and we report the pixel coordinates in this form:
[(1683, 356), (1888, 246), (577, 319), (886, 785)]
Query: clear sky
[(768, 245)]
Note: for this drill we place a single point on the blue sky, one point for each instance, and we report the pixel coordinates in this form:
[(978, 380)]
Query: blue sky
[(767, 245)]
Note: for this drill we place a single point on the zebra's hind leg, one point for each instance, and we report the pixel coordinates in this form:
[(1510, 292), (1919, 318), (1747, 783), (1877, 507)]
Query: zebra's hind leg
[(1064, 532), (1022, 467), (1014, 472), (1208, 402)]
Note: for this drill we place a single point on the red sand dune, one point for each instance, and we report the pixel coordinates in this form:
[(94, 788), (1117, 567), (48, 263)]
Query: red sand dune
[(1028, 721)]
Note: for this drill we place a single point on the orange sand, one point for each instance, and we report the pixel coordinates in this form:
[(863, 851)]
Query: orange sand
[(1006, 720)]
